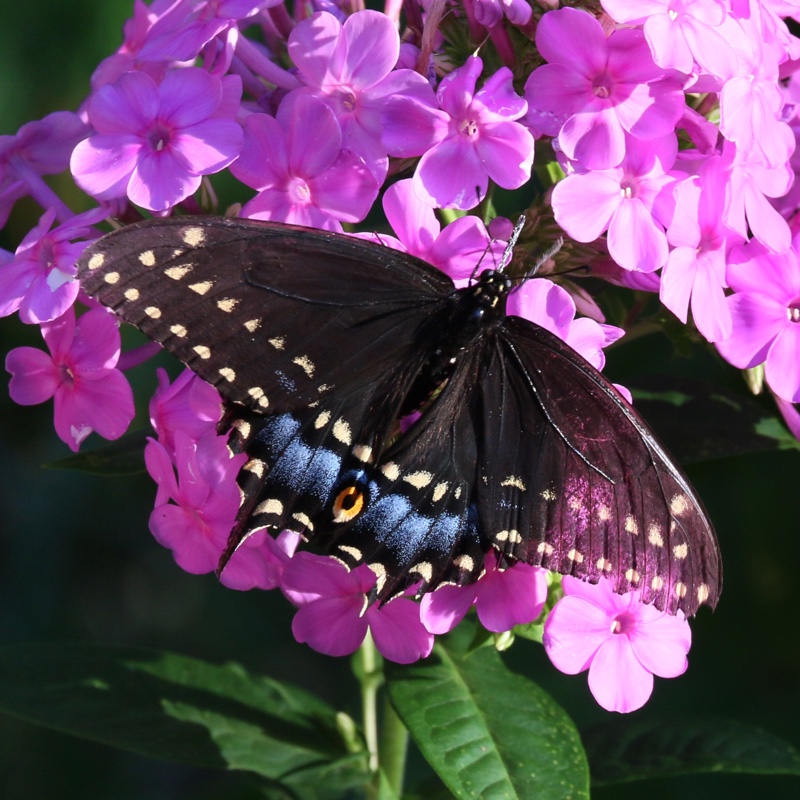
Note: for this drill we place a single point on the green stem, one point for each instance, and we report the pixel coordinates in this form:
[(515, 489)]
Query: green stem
[(393, 746), (371, 678)]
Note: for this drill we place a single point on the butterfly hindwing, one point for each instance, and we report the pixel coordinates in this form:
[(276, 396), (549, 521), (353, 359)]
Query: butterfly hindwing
[(581, 485)]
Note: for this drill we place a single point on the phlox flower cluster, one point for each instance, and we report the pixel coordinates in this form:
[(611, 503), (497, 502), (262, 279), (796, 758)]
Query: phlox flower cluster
[(671, 127)]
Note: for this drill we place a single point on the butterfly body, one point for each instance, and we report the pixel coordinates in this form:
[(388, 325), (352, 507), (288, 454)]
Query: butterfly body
[(322, 345)]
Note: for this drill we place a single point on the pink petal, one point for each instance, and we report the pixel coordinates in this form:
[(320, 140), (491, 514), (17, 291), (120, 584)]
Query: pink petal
[(451, 175), (616, 678), (757, 320), (398, 633), (783, 364), (661, 643), (210, 145), (412, 220), (34, 376), (584, 204), (511, 597), (347, 190), (506, 148), (373, 48), (188, 96), (594, 139), (127, 106), (194, 546), (443, 609), (161, 181), (333, 625), (102, 165), (572, 37), (313, 135), (635, 240), (574, 631), (316, 576), (264, 160), (96, 344), (312, 45)]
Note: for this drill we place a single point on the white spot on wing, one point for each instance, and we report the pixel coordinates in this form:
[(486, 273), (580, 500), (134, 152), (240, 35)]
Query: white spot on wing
[(201, 288), (227, 304), (575, 556), (279, 342), (353, 552), (202, 351), (632, 576), (306, 364), (657, 584), (439, 491), (654, 535), (131, 295), (680, 551), (256, 466), (97, 261), (391, 470), (176, 273), (363, 452), (424, 569), (147, 258), (464, 562), (194, 236), (252, 325), (419, 480), (679, 504), (341, 430), (153, 312), (304, 520), (111, 278), (272, 506), (178, 330), (322, 420), (516, 482), (257, 393), (680, 590), (228, 374)]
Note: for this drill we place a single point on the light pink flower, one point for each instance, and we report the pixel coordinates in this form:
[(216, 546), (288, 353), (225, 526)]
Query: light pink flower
[(621, 641)]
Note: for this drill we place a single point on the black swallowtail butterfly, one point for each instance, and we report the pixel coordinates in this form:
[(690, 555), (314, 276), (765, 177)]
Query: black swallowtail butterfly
[(320, 343)]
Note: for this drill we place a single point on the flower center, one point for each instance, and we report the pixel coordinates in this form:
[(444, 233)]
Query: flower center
[(793, 311), (348, 100), (298, 191), (159, 137), (624, 623), (469, 127), (627, 191), (602, 86)]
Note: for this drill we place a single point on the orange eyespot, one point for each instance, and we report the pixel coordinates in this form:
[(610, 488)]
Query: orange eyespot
[(348, 504)]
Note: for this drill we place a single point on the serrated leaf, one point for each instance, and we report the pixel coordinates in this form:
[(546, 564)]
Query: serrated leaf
[(125, 456), (171, 707), (624, 750), (488, 732)]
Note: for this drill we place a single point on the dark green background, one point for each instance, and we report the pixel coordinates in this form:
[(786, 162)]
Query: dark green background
[(77, 561)]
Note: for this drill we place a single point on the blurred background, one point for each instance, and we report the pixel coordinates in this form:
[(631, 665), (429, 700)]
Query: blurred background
[(78, 563)]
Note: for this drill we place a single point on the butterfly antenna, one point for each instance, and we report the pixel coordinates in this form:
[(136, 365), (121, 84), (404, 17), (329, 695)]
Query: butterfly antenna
[(505, 260), (543, 259)]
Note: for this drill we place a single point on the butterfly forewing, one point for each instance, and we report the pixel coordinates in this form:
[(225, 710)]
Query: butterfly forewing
[(273, 318)]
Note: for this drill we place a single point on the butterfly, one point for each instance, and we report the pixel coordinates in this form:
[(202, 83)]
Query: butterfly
[(402, 423)]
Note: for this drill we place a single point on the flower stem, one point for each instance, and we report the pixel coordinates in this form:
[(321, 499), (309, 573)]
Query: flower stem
[(371, 678)]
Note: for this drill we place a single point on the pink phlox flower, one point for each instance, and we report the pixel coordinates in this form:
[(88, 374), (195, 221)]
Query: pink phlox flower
[(594, 90), (751, 101), (333, 616), (188, 404), (765, 311), (457, 249), (489, 13), (40, 282), (351, 66), (259, 561), (41, 147), (695, 269), (621, 641), (188, 25), (155, 142), (503, 598), (750, 183), (631, 200), (471, 140), (680, 32), (302, 174), (197, 498), (89, 394), (550, 306)]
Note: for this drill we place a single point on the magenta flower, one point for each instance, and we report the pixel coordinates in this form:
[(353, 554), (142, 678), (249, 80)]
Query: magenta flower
[(333, 616), (155, 142), (302, 174), (503, 598), (350, 66), (195, 511), (765, 310), (89, 393), (490, 12), (457, 249), (188, 404), (594, 90), (471, 140), (551, 306), (621, 641), (629, 200)]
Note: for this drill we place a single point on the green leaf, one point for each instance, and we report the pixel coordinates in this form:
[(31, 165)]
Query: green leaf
[(488, 732), (626, 750), (701, 422), (180, 709), (125, 456)]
